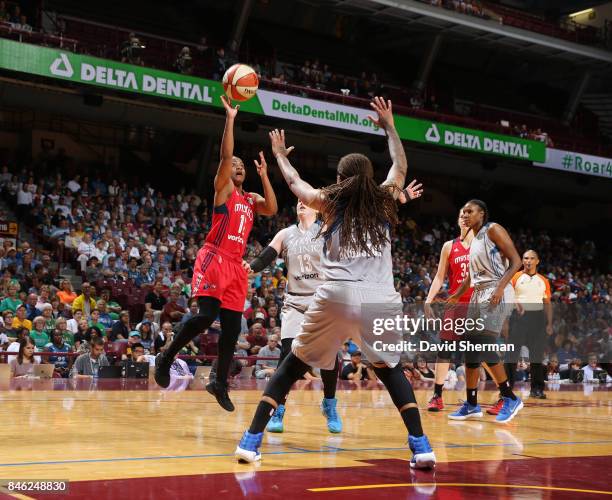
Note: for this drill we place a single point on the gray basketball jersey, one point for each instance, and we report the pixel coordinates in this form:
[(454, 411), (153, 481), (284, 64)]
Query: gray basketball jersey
[(301, 252), (486, 261), (342, 265)]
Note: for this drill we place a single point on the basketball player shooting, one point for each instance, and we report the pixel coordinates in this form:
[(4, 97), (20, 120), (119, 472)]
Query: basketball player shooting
[(219, 280)]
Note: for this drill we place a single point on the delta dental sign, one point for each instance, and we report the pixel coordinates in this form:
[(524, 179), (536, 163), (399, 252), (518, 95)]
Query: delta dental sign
[(88, 70)]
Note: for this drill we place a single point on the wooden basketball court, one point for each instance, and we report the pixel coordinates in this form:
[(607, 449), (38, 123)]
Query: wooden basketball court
[(120, 439)]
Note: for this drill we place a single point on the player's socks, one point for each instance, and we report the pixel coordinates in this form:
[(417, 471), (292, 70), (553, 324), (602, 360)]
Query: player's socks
[(330, 380), (472, 396), (412, 421), (328, 407), (438, 390), (263, 413), (506, 391), (248, 448), (276, 422)]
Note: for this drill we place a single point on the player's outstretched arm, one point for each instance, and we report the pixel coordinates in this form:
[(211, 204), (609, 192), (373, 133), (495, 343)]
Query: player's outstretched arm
[(269, 254), (310, 196), (266, 204), (397, 173), (224, 172)]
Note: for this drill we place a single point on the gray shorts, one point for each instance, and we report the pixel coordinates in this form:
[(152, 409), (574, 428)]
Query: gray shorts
[(345, 309), (292, 314), (495, 317)]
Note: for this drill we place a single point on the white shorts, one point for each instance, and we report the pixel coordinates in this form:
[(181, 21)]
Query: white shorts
[(346, 309), (292, 314), (494, 317)]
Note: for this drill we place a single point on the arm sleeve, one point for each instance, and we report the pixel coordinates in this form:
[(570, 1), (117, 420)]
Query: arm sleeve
[(264, 259)]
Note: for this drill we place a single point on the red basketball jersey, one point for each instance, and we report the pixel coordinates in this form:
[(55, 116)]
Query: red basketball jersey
[(231, 224), (458, 268)]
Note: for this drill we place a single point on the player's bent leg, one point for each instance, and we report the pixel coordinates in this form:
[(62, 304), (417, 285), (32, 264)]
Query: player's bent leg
[(404, 399), (276, 423), (208, 311), (329, 403), (230, 330), (290, 370)]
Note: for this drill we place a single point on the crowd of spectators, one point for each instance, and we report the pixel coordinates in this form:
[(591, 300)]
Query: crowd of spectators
[(133, 249), (14, 17)]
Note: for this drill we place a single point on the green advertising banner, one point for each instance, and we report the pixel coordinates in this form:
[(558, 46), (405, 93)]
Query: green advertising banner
[(88, 70)]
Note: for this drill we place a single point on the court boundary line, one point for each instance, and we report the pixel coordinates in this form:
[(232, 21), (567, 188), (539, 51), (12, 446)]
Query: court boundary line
[(301, 451), (463, 485)]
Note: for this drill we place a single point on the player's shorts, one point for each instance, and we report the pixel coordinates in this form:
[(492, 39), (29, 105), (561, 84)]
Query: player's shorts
[(492, 317), (458, 311), (347, 309), (220, 276), (292, 314)]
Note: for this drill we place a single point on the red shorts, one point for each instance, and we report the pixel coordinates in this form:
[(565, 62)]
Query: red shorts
[(458, 311), (216, 275)]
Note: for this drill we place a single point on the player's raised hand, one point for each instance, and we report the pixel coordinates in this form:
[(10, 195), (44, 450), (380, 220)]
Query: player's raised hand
[(277, 139), (411, 192), (229, 110), (384, 111), (262, 166)]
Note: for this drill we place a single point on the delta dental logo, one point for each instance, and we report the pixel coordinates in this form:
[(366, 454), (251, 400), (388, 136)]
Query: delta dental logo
[(131, 80), (476, 142)]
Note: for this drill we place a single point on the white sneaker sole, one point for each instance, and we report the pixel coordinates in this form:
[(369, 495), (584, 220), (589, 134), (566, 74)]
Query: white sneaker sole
[(466, 417), (246, 456), (424, 461), (512, 415)]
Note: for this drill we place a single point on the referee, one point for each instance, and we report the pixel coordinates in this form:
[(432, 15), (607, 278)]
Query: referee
[(531, 321)]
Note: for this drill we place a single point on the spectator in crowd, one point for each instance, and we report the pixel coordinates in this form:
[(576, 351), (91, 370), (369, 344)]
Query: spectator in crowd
[(155, 301), (47, 314), (164, 338), (96, 323), (112, 307), (84, 302), (424, 370), (32, 311), (73, 323), (22, 365), (357, 370), (146, 334), (184, 62), (265, 368), (11, 301), (566, 354), (66, 293), (104, 316), (38, 333), (173, 312), (86, 250), (193, 310), (88, 365), (62, 325), (592, 370), (58, 345), (121, 329), (256, 338), (20, 320)]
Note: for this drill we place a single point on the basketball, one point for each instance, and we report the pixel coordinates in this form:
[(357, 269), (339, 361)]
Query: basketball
[(240, 82)]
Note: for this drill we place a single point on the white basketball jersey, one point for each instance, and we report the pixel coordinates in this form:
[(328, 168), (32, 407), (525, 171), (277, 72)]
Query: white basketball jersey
[(486, 261), (301, 252)]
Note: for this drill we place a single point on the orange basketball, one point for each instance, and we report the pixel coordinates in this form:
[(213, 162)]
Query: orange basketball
[(240, 82)]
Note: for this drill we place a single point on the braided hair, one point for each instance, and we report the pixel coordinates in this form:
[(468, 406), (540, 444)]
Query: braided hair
[(358, 207)]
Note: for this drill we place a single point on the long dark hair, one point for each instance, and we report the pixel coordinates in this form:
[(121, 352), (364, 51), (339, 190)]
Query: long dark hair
[(22, 345), (483, 206), (358, 207)]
